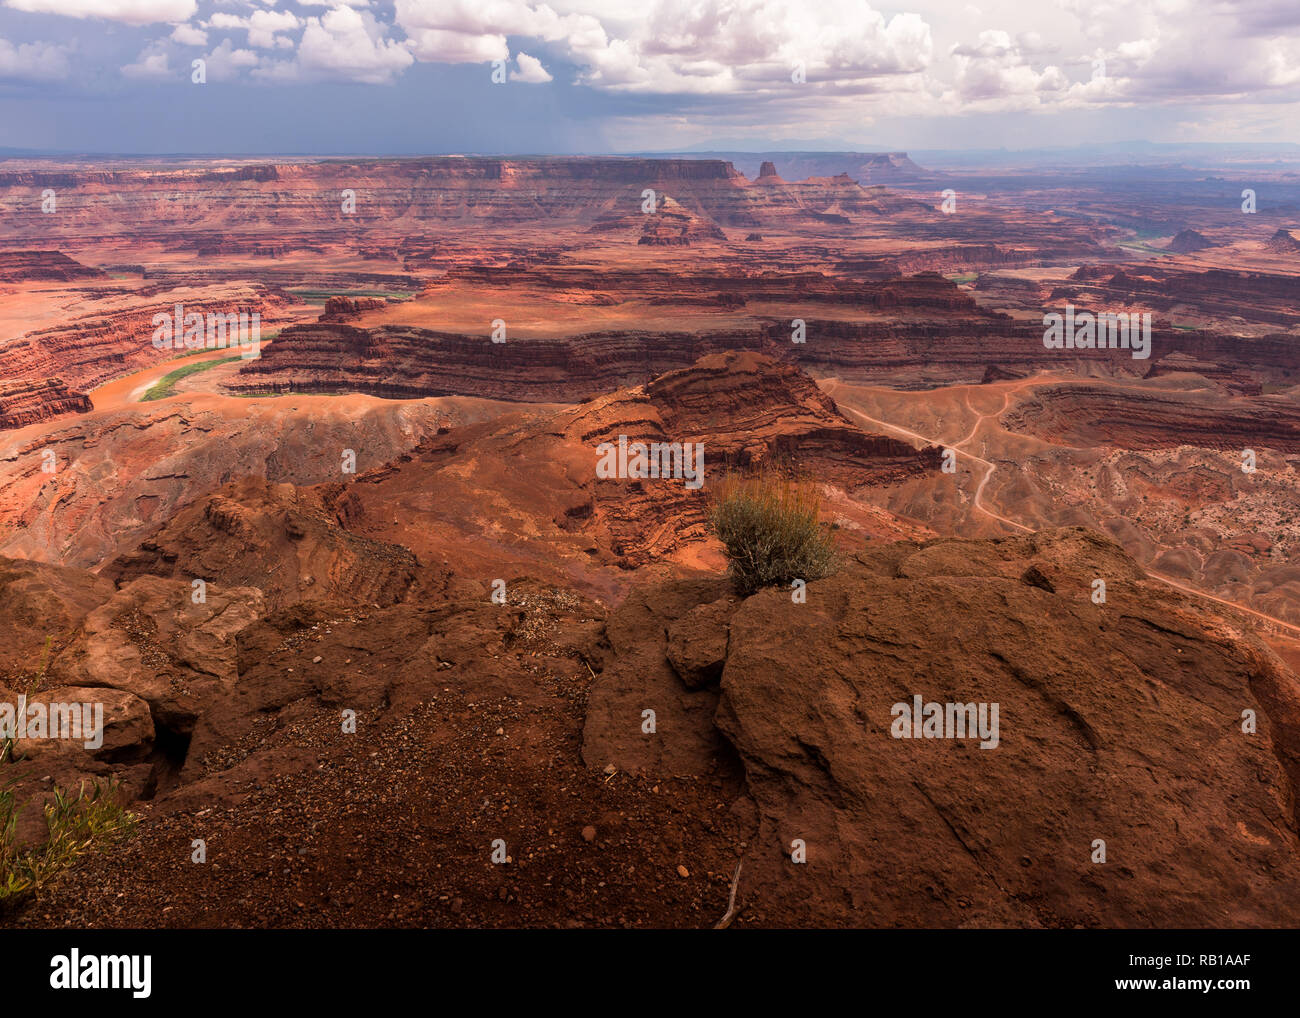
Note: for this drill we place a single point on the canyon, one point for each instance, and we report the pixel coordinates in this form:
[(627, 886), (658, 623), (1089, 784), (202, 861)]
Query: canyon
[(393, 511)]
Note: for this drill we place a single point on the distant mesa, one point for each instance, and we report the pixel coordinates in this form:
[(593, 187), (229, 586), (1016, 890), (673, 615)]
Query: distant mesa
[(1273, 298), (929, 331), (670, 225), (676, 226), (833, 213), (889, 166), (22, 266), (864, 167), (1179, 362), (1076, 414), (341, 308), (997, 373), (1285, 241), (173, 208), (1189, 241), (212, 245), (1008, 285), (1088, 273)]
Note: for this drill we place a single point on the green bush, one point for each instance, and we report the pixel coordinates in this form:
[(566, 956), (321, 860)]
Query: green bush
[(76, 823), (771, 529)]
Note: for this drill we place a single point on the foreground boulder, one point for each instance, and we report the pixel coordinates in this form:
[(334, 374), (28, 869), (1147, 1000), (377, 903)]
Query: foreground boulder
[(277, 537), (154, 640), (41, 606), (1129, 763), (1118, 723)]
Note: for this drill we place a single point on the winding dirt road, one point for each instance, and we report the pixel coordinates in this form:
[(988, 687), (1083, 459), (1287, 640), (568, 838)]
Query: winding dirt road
[(1286, 628)]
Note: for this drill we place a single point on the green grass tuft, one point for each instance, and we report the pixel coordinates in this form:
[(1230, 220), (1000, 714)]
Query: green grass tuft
[(91, 818)]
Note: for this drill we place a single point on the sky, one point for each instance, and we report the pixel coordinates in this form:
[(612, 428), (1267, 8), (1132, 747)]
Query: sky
[(592, 76)]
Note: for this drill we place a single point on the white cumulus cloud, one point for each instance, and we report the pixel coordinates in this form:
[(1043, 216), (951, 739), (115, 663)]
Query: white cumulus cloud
[(348, 44), (130, 12), (530, 70), (189, 35), (261, 26), (33, 61), (151, 63)]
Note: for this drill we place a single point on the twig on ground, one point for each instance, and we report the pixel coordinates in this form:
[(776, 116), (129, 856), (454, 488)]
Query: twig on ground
[(725, 921)]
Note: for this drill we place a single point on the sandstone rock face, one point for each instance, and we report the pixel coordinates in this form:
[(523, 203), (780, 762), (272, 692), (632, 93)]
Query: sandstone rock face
[(697, 643), (26, 402), (126, 732), (671, 224), (340, 308), (122, 472), (928, 332), (183, 683), (1118, 723), (116, 337), (155, 641), (1083, 415), (281, 539), (638, 676), (389, 535), (39, 603), (744, 410), (749, 409)]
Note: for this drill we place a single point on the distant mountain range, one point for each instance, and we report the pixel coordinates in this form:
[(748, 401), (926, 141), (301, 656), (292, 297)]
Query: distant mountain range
[(864, 167), (798, 160)]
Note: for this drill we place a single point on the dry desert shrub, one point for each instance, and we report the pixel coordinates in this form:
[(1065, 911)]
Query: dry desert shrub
[(770, 525)]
